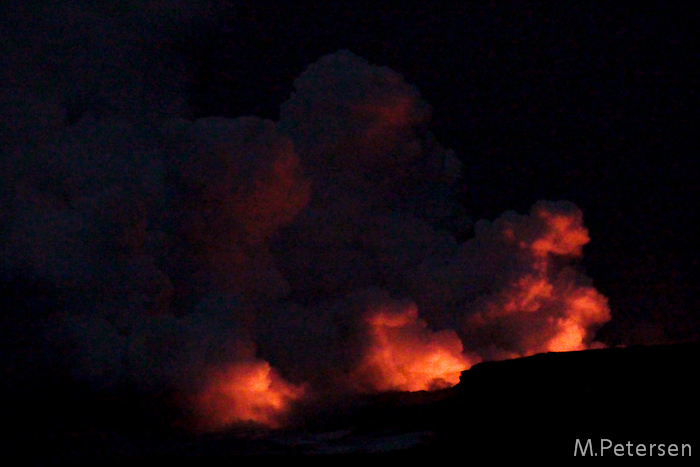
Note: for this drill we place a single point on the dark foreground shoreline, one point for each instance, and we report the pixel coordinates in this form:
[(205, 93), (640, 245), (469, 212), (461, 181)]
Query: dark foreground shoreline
[(628, 402)]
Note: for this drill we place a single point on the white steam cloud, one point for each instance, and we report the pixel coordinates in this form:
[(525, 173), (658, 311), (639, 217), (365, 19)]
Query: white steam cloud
[(251, 265)]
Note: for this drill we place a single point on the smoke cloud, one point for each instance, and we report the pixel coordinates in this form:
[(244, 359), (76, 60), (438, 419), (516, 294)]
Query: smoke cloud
[(255, 267)]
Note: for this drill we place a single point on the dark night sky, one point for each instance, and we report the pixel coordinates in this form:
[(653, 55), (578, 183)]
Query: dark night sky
[(593, 103), (111, 190)]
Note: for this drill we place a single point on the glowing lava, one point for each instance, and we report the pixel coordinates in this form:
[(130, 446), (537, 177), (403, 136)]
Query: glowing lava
[(249, 392), (404, 355), (585, 308)]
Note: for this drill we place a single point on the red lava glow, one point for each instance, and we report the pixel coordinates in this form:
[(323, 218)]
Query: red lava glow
[(249, 392), (404, 355), (585, 307)]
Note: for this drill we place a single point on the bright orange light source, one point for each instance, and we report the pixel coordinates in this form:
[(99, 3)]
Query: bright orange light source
[(248, 392), (404, 355), (584, 307)]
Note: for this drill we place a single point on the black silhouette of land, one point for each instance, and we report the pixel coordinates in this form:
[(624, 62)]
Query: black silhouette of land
[(528, 408)]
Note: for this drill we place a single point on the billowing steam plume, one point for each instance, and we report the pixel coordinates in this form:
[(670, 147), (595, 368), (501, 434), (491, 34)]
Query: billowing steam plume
[(252, 266)]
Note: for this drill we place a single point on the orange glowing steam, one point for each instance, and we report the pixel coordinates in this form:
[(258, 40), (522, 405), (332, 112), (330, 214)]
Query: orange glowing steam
[(404, 355), (528, 294), (565, 234), (585, 307), (249, 392), (542, 304)]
